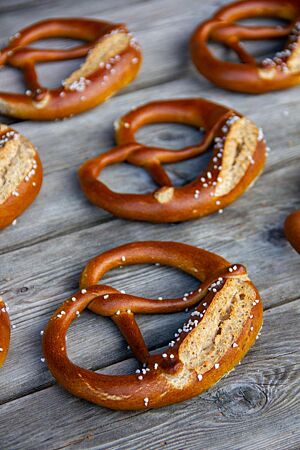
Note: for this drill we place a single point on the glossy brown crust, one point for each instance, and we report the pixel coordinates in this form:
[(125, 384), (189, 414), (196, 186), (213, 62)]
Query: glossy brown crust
[(98, 86), (249, 75), (292, 229), (13, 207), (4, 332), (150, 388), (185, 203)]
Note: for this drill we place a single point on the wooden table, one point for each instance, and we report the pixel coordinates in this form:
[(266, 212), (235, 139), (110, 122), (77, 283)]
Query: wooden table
[(258, 405)]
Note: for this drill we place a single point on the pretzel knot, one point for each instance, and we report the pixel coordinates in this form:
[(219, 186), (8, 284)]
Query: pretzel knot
[(225, 319), (4, 331), (238, 156), (113, 59), (280, 72)]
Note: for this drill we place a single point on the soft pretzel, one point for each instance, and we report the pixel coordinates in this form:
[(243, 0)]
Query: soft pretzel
[(280, 72), (237, 159), (113, 59), (21, 174), (4, 332), (292, 229), (225, 320)]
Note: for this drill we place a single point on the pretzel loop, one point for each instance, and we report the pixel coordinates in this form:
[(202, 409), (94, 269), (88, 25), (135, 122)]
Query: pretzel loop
[(251, 76), (178, 373), (112, 61)]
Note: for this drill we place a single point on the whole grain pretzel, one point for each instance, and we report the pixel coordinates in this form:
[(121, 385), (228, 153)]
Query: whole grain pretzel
[(237, 159), (292, 229), (224, 322), (280, 72), (112, 61), (4, 332), (21, 174)]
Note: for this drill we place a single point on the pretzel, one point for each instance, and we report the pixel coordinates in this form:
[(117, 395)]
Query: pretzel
[(238, 158), (225, 320), (292, 229), (4, 332), (113, 60), (21, 174), (280, 72)]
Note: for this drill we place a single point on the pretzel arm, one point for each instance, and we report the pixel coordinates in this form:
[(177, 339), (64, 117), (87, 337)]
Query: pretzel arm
[(171, 156), (153, 156), (117, 303)]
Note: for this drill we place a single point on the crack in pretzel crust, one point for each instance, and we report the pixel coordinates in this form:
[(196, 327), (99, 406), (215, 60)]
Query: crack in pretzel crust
[(20, 174), (238, 156), (113, 59), (225, 318), (251, 76)]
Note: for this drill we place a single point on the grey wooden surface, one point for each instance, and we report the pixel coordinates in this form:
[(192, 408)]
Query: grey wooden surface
[(255, 407)]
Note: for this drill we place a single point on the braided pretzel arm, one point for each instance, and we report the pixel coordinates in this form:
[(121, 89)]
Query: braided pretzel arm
[(238, 158), (280, 72), (112, 61), (229, 306), (4, 332), (21, 174), (292, 229)]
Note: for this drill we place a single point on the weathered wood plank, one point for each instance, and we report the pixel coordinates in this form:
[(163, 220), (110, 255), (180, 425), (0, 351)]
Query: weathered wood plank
[(237, 414), (63, 146)]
